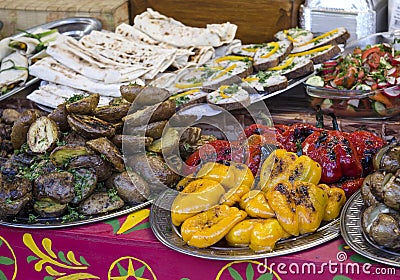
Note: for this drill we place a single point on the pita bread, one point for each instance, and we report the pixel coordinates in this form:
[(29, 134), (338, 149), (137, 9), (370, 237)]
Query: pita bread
[(13, 70), (49, 69), (4, 48)]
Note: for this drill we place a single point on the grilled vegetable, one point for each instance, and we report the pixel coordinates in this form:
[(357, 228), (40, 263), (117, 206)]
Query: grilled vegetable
[(43, 135), (9, 116), (199, 195), (131, 143), (59, 186), (20, 128), (130, 92), (90, 127), (153, 130), (131, 187), (209, 227), (336, 200), (63, 154), (59, 115), (167, 143), (105, 147), (256, 205), (82, 105), (388, 158), (15, 194), (259, 234), (85, 181), (112, 113), (100, 202), (153, 113), (48, 208), (102, 167)]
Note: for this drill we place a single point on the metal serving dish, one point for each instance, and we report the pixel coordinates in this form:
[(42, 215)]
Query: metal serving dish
[(76, 27)]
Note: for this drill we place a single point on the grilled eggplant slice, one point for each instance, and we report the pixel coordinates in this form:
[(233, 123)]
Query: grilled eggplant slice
[(84, 105), (112, 113), (48, 208), (91, 127), (59, 186), (43, 135), (105, 147), (100, 202), (85, 180), (63, 154), (131, 187), (103, 168), (59, 115), (21, 126)]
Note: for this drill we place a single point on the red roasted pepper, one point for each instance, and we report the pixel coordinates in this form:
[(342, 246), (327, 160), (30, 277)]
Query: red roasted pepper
[(349, 186), (335, 153), (295, 135)]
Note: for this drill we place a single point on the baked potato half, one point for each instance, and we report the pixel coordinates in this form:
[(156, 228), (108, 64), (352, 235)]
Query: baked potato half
[(63, 154), (83, 105), (19, 131), (43, 135)]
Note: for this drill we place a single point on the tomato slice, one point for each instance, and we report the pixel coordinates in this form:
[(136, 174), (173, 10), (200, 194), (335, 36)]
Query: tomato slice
[(366, 53), (373, 60)]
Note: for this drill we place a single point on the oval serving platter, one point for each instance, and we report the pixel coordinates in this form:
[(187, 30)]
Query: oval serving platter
[(75, 27), (168, 234), (353, 234)]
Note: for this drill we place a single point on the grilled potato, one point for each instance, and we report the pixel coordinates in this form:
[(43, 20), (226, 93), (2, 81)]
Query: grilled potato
[(85, 180), (131, 187), (131, 143), (43, 135), (112, 113), (61, 155), (10, 116), (153, 130), (91, 127), (100, 202), (58, 186), (130, 92), (59, 115), (105, 147), (84, 105), (48, 208), (103, 168), (153, 113), (21, 126)]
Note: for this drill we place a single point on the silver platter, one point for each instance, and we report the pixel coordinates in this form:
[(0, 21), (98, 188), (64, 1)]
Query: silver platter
[(75, 27), (168, 234), (353, 234), (58, 222)]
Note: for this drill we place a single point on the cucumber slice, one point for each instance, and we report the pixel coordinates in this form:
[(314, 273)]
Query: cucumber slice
[(379, 108), (315, 81)]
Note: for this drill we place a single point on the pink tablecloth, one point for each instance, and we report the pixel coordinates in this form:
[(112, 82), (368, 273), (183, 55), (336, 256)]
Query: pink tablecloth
[(97, 251)]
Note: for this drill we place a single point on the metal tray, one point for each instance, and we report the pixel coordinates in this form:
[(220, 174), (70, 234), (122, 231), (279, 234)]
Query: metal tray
[(75, 27), (168, 234), (353, 234), (58, 223)]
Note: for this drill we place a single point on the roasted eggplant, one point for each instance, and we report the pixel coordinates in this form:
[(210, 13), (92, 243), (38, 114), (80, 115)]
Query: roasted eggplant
[(21, 126), (100, 202), (105, 147), (43, 135), (82, 105), (91, 127)]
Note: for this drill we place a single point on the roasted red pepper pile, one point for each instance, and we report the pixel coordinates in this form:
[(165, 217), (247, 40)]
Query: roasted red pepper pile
[(344, 157)]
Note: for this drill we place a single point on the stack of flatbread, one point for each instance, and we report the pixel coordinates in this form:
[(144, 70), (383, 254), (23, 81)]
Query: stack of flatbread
[(103, 61)]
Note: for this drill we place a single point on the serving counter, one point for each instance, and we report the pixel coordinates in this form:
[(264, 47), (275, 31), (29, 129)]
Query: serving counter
[(126, 248)]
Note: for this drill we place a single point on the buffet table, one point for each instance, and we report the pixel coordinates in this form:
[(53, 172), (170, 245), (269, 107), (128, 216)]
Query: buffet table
[(126, 248)]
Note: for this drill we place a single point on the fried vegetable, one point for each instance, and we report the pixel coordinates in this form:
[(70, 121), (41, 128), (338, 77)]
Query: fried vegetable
[(43, 135), (21, 126), (91, 127), (259, 234), (209, 227), (102, 167), (59, 115), (100, 202), (59, 186), (82, 104), (256, 205), (131, 187), (10, 115), (199, 195), (112, 113), (105, 147), (48, 208), (63, 154)]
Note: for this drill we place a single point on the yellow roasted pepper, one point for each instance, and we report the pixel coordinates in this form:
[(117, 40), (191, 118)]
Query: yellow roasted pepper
[(256, 205), (197, 196), (234, 195), (299, 207), (230, 176), (282, 165), (336, 200), (259, 234), (209, 227)]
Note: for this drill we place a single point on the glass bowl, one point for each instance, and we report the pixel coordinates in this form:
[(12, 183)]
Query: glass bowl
[(377, 104)]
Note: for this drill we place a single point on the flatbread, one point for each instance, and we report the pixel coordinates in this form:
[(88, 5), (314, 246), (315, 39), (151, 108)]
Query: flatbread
[(13, 70)]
